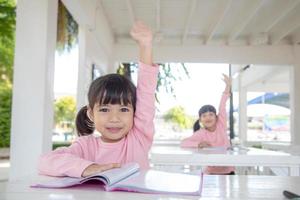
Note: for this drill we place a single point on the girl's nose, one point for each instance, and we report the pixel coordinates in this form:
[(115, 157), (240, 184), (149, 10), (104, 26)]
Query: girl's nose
[(114, 117)]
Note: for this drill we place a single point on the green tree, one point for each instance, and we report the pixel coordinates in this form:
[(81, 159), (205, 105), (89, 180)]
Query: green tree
[(178, 116), (65, 110), (5, 113), (7, 39), (166, 77)]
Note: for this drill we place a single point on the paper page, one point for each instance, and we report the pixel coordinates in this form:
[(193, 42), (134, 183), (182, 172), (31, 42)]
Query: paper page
[(58, 182), (114, 175), (153, 181), (108, 177)]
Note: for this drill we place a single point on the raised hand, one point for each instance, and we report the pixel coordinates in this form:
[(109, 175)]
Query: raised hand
[(96, 168), (227, 80), (142, 34)]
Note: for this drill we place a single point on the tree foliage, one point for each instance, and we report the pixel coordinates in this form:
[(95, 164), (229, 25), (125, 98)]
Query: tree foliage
[(178, 116), (7, 39), (65, 110), (5, 113), (166, 75)]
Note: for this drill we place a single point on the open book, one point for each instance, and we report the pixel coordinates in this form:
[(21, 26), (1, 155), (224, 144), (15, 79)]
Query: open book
[(130, 178)]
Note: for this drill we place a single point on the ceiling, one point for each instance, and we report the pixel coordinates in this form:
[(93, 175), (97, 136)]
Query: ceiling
[(208, 22)]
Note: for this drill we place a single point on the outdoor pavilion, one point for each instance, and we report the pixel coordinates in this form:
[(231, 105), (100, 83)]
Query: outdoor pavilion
[(240, 32)]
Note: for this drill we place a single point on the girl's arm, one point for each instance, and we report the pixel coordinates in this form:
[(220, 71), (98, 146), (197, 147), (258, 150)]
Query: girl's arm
[(73, 161), (147, 79), (222, 116), (192, 141)]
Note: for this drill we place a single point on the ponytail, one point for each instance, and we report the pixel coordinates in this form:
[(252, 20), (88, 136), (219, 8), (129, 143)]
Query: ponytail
[(196, 126), (84, 125)]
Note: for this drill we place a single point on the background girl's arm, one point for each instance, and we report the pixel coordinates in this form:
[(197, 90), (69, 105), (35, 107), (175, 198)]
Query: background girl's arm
[(192, 141), (147, 80), (222, 116)]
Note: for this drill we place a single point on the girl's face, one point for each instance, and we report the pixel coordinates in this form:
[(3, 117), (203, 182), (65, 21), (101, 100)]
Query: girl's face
[(113, 121), (209, 120)]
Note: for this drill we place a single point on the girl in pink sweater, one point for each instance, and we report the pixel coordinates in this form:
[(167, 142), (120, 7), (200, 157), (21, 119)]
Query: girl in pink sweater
[(213, 130), (116, 126)]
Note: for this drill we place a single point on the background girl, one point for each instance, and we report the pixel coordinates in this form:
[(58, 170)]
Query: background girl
[(213, 129)]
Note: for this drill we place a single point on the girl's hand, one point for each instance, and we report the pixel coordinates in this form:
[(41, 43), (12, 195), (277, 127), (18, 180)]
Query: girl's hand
[(227, 81), (203, 145), (142, 34), (95, 168)]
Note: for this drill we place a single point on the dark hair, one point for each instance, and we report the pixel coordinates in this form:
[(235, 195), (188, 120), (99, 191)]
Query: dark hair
[(108, 89), (207, 108), (196, 126)]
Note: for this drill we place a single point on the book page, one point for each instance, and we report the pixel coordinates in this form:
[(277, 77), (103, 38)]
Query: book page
[(108, 177), (58, 182), (112, 176), (153, 181)]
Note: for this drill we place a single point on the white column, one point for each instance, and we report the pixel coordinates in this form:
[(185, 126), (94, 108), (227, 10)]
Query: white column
[(84, 71), (295, 98), (32, 107), (242, 112)]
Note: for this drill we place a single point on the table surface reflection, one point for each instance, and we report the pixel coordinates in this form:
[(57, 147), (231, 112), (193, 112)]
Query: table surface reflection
[(242, 156), (214, 187)]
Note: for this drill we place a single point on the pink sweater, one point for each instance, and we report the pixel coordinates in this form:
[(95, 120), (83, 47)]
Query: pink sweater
[(218, 138), (86, 150)]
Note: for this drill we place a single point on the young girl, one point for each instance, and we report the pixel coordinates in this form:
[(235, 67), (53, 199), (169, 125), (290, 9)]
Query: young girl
[(121, 114), (212, 133)]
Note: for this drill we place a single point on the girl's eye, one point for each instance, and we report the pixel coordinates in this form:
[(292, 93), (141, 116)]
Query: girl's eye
[(103, 109), (124, 110)]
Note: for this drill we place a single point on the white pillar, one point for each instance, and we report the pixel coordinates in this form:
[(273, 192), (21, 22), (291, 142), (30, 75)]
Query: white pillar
[(32, 107), (295, 98), (84, 71), (243, 120)]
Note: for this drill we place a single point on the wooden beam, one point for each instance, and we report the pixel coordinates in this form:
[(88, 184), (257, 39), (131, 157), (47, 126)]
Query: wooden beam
[(157, 16), (95, 20), (263, 54), (292, 27), (240, 28), (282, 15), (222, 15), (193, 6), (132, 17), (259, 74)]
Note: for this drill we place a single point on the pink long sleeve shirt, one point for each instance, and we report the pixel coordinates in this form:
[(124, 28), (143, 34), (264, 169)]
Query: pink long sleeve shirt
[(217, 138), (134, 147)]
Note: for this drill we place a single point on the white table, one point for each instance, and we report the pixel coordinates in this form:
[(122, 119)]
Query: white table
[(214, 187), (166, 155)]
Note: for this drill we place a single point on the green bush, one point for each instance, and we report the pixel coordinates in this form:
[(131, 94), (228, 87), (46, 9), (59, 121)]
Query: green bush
[(178, 116), (5, 113), (60, 144)]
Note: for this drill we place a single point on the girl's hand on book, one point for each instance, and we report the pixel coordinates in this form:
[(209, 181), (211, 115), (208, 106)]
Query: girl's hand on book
[(142, 34), (203, 145), (96, 168)]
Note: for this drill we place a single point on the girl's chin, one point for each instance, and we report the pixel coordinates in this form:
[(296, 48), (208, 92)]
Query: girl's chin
[(112, 139)]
